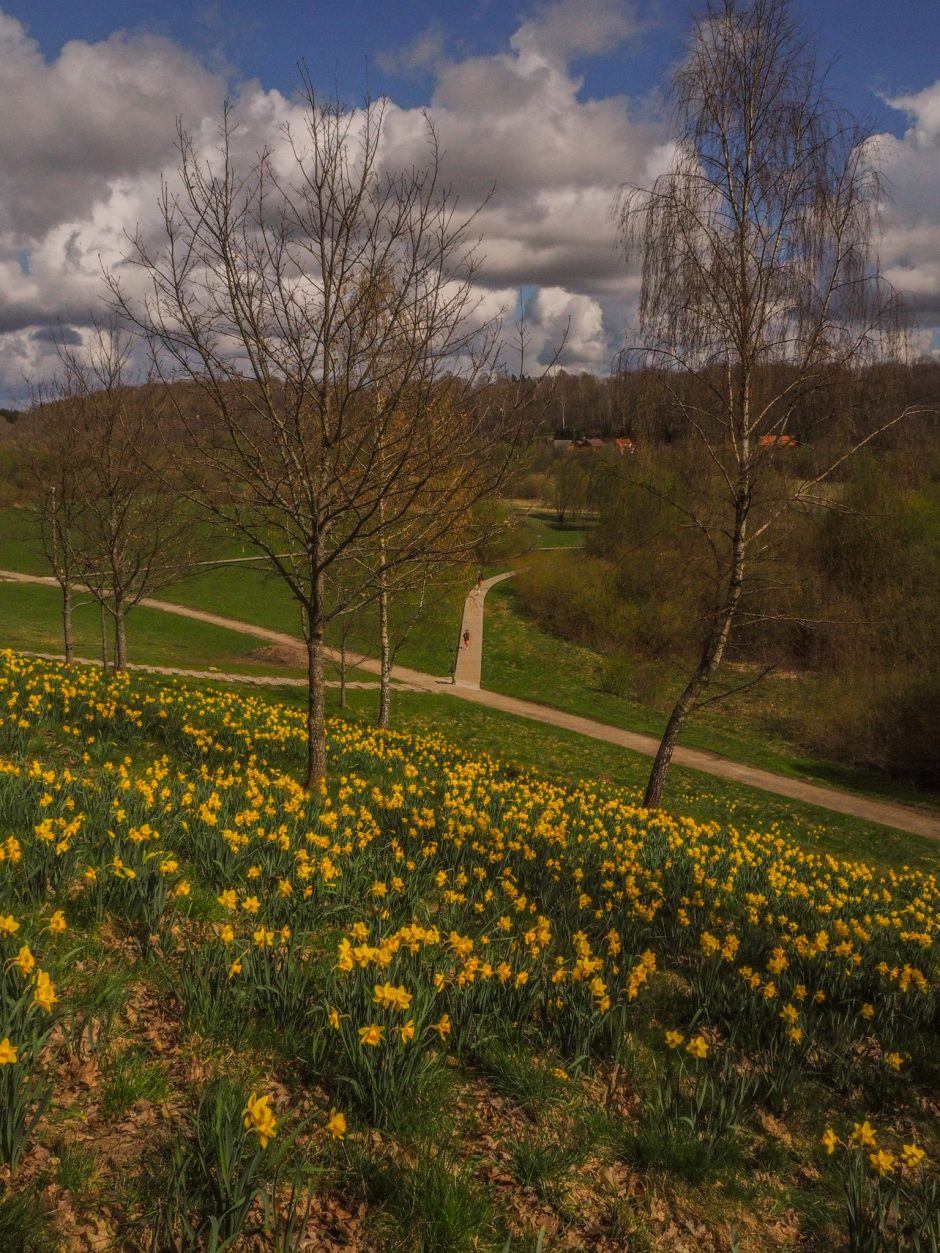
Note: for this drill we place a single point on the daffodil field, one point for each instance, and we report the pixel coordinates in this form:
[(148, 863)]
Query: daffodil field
[(439, 1005)]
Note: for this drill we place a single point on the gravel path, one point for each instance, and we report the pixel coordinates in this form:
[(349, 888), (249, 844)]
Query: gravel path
[(898, 817)]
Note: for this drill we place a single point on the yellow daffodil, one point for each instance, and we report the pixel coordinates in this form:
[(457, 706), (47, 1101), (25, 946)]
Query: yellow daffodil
[(259, 1119), (336, 1125), (864, 1134)]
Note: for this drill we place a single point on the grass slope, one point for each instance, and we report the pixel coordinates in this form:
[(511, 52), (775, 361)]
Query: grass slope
[(441, 1004)]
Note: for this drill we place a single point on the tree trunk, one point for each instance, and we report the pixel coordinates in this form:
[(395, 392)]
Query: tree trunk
[(712, 653), (342, 672), (104, 637), (120, 636), (67, 638), (316, 707), (385, 668)]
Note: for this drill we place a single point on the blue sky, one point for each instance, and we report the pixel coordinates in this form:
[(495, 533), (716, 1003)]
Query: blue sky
[(872, 46), (555, 102)]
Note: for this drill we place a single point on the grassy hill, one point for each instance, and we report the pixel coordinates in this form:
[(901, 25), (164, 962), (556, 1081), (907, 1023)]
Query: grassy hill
[(448, 1003)]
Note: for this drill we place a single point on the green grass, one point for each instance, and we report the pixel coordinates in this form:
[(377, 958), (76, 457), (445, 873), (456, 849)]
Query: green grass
[(522, 659), (30, 619)]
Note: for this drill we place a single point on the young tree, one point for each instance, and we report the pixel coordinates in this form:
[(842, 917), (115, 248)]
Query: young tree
[(326, 312), (54, 464), (107, 514), (760, 283)]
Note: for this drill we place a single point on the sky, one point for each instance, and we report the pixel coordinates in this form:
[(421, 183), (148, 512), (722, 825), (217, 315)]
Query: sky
[(551, 106)]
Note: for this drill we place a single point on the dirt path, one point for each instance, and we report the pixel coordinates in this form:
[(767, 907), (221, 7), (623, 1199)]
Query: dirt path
[(898, 817), (469, 660)]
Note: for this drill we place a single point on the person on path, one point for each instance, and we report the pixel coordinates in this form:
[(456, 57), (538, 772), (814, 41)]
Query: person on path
[(466, 639)]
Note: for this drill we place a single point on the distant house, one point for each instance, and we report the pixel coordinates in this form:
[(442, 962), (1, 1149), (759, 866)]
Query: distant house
[(778, 441)]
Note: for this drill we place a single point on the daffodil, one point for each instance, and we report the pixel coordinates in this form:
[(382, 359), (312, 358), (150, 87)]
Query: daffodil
[(863, 1134), (882, 1162), (259, 1119), (912, 1155), (336, 1125)]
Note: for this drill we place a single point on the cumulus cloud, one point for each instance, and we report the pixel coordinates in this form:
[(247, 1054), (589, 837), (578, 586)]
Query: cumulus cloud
[(90, 133), (83, 156), (910, 248), (83, 139), (422, 54)]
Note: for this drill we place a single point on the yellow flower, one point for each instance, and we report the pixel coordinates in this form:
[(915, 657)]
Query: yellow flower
[(867, 1011), (795, 1034), (371, 1035), (336, 1124), (25, 960), (830, 1140), (259, 1118), (44, 995), (442, 1027), (182, 888), (8, 1056), (57, 923), (333, 1019), (390, 997), (251, 904), (674, 1039), (882, 1162), (863, 1133), (561, 1074), (698, 1047), (378, 889), (234, 969), (226, 934), (408, 1031), (894, 1060), (911, 1155), (8, 924), (228, 899)]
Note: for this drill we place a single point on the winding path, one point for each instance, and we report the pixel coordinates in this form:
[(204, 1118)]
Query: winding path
[(469, 659), (898, 817)]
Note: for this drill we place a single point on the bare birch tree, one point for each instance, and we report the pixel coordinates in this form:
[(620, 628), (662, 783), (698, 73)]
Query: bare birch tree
[(759, 279), (326, 311)]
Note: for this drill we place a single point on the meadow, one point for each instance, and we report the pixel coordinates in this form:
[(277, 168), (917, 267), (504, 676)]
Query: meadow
[(447, 1002)]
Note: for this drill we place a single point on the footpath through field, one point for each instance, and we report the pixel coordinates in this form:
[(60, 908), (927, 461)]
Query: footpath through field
[(898, 817)]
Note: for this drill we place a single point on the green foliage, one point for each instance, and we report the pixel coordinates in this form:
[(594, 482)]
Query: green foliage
[(218, 1172)]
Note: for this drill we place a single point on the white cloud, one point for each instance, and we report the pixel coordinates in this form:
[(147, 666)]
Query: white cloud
[(910, 247), (85, 137)]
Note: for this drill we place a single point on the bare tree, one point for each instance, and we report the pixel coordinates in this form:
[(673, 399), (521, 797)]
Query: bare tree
[(759, 280), (109, 519), (54, 462), (327, 313)]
